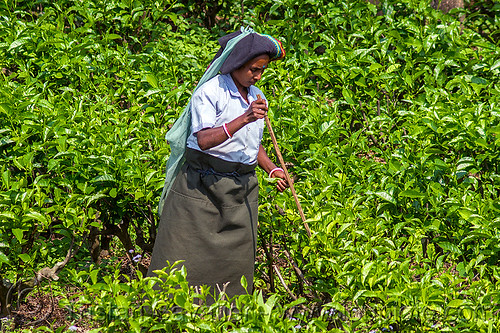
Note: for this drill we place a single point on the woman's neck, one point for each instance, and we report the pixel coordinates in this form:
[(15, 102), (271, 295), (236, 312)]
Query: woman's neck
[(241, 89)]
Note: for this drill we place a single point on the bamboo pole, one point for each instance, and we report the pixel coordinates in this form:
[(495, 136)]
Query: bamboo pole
[(285, 170)]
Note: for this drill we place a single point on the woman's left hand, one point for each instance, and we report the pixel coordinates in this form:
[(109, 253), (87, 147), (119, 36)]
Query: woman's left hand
[(282, 183)]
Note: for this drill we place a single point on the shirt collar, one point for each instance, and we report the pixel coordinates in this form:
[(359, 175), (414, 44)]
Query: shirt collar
[(233, 90)]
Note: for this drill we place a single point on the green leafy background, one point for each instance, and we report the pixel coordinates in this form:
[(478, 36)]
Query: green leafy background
[(388, 117)]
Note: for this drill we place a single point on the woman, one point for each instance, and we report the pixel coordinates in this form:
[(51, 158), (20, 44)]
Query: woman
[(209, 217)]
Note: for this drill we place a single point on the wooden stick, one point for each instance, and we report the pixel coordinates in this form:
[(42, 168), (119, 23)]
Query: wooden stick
[(285, 170)]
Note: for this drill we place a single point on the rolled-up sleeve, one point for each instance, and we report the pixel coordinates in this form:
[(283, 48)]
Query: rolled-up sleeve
[(203, 111)]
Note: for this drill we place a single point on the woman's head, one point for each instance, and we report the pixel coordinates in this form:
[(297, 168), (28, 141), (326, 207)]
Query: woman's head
[(251, 71)]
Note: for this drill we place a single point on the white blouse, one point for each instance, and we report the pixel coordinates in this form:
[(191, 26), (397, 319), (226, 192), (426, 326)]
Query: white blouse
[(216, 102)]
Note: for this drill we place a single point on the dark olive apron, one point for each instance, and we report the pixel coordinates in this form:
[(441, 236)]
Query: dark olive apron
[(209, 220)]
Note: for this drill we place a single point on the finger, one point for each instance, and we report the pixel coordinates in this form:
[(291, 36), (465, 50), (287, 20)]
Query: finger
[(260, 113), (281, 174), (281, 185), (260, 101), (260, 106)]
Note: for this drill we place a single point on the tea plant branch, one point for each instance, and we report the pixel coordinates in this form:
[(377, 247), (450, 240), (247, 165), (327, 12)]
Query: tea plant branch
[(23, 288), (141, 241), (287, 175), (280, 277), (52, 272), (367, 124), (4, 289), (270, 262), (298, 271)]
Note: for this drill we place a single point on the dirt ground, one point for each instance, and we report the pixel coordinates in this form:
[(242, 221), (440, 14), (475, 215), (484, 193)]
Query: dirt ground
[(41, 308)]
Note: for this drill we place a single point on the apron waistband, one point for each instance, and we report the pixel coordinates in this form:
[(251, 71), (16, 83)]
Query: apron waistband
[(207, 164)]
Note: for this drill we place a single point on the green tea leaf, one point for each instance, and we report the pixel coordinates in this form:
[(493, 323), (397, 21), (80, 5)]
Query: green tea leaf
[(38, 217), (3, 258), (180, 299), (5, 108), (385, 196), (25, 257), (18, 42), (18, 233), (495, 65), (450, 247), (366, 270), (104, 179), (152, 80), (412, 194), (244, 282), (347, 95), (112, 36), (456, 303)]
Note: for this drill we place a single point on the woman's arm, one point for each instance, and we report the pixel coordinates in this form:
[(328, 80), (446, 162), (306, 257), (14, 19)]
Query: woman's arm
[(268, 165), (211, 137)]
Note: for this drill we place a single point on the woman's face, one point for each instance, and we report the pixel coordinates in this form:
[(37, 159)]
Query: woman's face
[(251, 72)]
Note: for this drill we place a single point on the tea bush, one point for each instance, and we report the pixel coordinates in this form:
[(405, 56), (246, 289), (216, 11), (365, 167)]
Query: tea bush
[(387, 115)]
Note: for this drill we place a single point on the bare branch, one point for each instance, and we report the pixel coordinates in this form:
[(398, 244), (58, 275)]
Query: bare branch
[(278, 273)]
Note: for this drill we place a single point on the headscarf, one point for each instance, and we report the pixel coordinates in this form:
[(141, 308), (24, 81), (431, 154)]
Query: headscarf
[(249, 47), (236, 49)]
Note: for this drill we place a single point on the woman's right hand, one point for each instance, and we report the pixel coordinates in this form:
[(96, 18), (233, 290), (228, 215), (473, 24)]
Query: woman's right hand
[(257, 110)]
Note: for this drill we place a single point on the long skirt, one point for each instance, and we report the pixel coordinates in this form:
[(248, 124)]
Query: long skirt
[(209, 220)]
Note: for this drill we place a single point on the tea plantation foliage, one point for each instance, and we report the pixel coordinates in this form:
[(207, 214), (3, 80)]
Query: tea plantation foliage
[(387, 115)]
